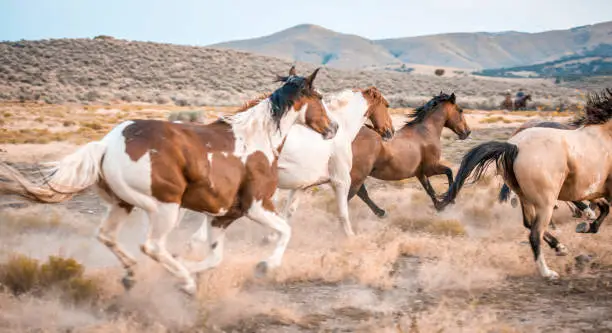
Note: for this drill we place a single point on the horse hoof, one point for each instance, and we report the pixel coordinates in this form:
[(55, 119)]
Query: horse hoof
[(583, 227), (552, 276), (261, 269), (128, 282), (514, 202), (561, 250), (382, 214)]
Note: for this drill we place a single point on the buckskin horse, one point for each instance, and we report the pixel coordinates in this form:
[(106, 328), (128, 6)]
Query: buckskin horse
[(414, 150), (226, 169), (543, 165), (577, 207)]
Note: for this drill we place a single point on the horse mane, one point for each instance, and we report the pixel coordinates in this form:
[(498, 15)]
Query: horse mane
[(375, 95), (598, 109), (281, 100), (419, 114)]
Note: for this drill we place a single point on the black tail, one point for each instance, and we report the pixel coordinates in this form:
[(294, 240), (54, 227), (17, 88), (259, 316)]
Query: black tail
[(478, 159), (504, 193)]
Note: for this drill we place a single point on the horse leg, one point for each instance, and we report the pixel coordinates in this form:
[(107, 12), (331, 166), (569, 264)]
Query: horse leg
[(215, 235), (107, 235), (430, 191), (289, 208), (593, 227), (264, 214), (162, 221), (552, 241), (440, 169), (538, 229), (586, 209), (362, 193), (341, 188)]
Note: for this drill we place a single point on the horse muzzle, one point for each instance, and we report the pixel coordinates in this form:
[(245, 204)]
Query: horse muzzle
[(330, 131), (464, 135)]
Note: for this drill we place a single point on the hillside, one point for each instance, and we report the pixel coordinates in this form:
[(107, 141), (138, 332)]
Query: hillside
[(97, 70), (463, 50), (595, 62)]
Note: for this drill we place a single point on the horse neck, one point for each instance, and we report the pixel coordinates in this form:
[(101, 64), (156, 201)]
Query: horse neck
[(255, 130), (434, 123), (351, 114)]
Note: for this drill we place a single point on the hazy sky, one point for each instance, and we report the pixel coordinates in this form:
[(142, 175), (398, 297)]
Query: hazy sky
[(203, 22)]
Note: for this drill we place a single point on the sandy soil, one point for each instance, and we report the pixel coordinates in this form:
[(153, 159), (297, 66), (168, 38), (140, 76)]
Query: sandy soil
[(467, 269)]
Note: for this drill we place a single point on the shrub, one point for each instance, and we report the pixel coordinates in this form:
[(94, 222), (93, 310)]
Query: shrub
[(21, 274), (439, 72)]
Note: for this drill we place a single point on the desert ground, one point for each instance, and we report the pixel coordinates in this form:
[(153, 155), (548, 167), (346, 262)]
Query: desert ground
[(467, 269)]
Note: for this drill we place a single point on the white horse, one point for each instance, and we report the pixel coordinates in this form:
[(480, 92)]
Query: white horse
[(306, 160)]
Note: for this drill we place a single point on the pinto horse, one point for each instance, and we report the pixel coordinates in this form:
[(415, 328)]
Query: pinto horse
[(520, 103), (579, 207), (543, 165), (414, 150), (225, 169)]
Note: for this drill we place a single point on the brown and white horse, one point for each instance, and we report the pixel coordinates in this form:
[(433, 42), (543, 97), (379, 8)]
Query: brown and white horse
[(543, 165), (225, 169)]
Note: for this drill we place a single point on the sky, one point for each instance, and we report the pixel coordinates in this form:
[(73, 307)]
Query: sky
[(205, 22)]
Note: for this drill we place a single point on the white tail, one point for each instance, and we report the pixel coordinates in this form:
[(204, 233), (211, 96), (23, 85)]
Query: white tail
[(62, 180)]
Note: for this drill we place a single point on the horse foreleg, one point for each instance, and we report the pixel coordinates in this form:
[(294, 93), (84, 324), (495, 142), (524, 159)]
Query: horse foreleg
[(341, 188), (593, 227), (162, 221), (288, 209), (259, 213), (430, 191), (363, 194)]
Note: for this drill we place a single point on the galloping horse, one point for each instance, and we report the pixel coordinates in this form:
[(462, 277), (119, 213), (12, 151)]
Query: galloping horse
[(543, 165), (580, 207), (414, 150), (520, 103), (225, 169), (307, 160)]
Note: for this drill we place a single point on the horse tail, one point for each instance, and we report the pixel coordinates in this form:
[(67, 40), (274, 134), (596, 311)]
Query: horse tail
[(478, 159), (504, 193), (60, 180)]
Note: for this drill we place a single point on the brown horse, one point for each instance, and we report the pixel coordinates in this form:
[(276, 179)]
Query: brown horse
[(226, 169), (543, 165), (579, 206), (413, 151), (520, 103)]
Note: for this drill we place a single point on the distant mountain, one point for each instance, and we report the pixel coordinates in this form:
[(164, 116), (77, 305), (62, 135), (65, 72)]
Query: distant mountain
[(312, 43), (478, 50)]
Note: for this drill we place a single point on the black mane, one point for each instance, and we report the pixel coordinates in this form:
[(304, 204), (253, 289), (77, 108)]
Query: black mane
[(282, 99), (420, 113), (597, 111)]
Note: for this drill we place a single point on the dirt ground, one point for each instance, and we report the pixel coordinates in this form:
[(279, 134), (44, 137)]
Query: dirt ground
[(467, 269)]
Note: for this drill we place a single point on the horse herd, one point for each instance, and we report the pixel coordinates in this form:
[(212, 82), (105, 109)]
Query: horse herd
[(293, 139)]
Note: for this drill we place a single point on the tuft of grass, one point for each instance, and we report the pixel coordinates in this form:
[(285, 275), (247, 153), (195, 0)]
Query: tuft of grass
[(21, 275), (68, 123), (7, 115), (443, 227), (490, 120), (93, 125)]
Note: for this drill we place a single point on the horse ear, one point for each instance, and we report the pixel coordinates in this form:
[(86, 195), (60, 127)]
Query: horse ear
[(281, 78), (292, 71), (452, 98), (312, 76)]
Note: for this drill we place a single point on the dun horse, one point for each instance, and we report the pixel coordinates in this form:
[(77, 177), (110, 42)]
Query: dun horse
[(414, 150), (578, 207), (543, 165), (225, 169)]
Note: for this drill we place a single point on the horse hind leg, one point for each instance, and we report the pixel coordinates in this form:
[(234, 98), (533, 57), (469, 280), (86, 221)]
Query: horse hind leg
[(538, 230), (162, 221), (363, 194), (107, 235), (552, 241)]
